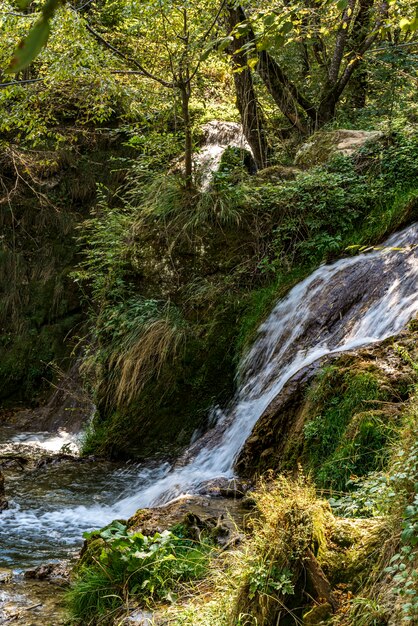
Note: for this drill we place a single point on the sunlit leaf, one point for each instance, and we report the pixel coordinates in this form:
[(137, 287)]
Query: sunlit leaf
[(30, 47), (342, 4)]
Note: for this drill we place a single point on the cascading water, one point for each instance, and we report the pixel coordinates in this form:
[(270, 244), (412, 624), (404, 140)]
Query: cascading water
[(342, 306), (218, 136)]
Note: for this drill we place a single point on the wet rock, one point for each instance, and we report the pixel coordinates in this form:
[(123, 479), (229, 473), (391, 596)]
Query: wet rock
[(225, 488), (31, 603), (233, 489), (55, 459), (139, 618), (279, 426), (56, 572), (277, 439), (220, 140), (324, 144), (13, 462)]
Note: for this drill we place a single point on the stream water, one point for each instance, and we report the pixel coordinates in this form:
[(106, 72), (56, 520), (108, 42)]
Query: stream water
[(341, 306)]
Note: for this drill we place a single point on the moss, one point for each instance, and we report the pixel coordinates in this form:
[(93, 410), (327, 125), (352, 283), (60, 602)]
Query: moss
[(40, 304), (347, 435), (324, 144), (164, 416), (318, 615), (276, 173)]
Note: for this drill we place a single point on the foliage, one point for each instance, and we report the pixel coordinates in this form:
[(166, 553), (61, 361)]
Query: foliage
[(37, 38), (347, 438), (133, 566), (362, 201), (402, 565), (260, 582), (392, 495)]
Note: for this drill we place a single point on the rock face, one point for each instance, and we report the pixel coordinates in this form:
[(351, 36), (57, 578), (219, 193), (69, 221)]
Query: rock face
[(215, 517), (68, 408), (322, 145), (277, 440), (281, 423)]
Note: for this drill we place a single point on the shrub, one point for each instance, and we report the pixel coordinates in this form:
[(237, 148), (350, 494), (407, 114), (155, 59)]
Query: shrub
[(133, 567)]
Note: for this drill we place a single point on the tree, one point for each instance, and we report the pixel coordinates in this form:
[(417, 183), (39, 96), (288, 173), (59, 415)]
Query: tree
[(248, 107), (165, 45), (330, 42)]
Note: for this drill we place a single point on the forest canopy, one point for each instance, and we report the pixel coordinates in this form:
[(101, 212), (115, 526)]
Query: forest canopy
[(299, 63)]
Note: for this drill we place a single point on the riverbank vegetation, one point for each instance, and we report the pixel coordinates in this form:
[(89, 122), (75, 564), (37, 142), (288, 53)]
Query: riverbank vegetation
[(125, 255)]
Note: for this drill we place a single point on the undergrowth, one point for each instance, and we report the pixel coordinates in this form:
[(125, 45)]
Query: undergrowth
[(211, 263), (122, 566), (349, 435)]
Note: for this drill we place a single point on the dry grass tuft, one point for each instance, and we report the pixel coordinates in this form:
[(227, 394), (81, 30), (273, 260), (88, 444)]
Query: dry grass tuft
[(142, 355)]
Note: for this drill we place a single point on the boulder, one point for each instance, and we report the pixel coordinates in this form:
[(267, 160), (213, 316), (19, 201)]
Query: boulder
[(276, 174), (320, 614), (224, 488), (56, 572), (199, 516), (325, 144)]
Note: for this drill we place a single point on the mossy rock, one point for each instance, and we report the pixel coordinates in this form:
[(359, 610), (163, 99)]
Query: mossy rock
[(325, 144), (276, 173), (91, 550), (318, 615)]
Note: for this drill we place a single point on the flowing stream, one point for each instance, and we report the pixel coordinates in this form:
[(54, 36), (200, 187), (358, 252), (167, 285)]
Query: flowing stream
[(342, 306)]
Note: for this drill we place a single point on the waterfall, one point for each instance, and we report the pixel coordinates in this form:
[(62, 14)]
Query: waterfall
[(218, 136), (351, 303)]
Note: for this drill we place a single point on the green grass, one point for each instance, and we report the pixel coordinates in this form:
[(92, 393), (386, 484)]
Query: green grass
[(132, 567), (347, 436)]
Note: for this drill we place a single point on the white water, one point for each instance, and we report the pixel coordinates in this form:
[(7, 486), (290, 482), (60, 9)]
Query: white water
[(218, 137), (351, 303), (51, 442)]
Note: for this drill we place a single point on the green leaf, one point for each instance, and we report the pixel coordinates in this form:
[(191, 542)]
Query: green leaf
[(287, 27), (269, 19), (342, 5), (279, 40), (225, 43), (30, 47)]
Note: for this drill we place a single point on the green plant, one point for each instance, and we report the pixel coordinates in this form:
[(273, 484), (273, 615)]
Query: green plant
[(265, 579), (403, 564), (133, 565), (368, 612), (346, 437)]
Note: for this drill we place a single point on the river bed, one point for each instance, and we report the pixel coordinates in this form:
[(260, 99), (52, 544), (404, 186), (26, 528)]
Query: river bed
[(52, 500)]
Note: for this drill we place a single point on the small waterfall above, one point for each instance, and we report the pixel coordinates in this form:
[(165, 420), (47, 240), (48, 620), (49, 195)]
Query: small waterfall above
[(351, 303), (218, 136)]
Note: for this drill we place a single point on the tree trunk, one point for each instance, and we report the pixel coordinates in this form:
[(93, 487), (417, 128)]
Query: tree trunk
[(280, 91), (319, 582), (188, 144), (251, 115), (327, 107), (359, 82)]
